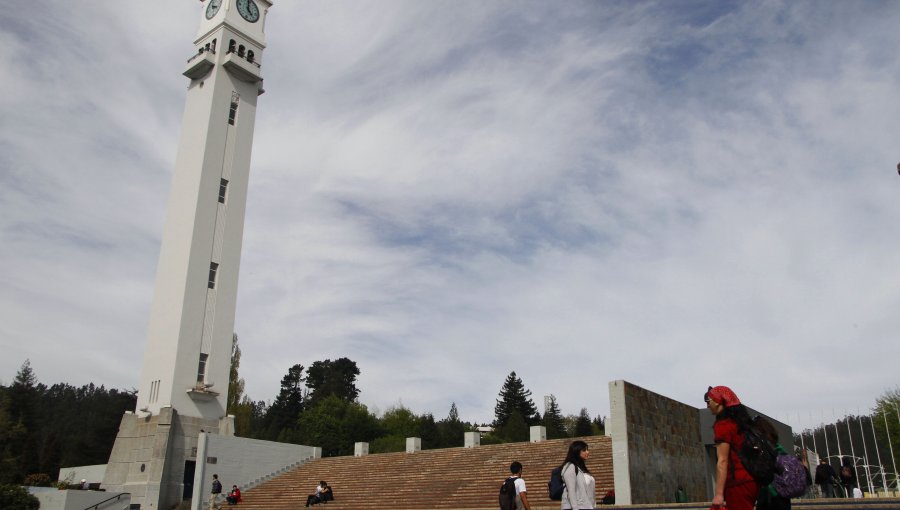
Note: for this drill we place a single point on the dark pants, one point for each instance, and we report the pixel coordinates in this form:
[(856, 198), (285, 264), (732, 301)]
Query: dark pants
[(769, 501), (827, 490)]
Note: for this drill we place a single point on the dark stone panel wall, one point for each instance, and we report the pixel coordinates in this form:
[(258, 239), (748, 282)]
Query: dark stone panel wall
[(665, 450)]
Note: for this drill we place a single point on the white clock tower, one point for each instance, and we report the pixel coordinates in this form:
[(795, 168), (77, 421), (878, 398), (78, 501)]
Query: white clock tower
[(184, 381)]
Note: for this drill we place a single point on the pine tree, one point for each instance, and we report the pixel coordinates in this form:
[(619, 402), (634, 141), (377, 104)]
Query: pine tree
[(583, 426), (451, 429), (23, 402), (288, 405), (514, 430), (553, 421), (454, 413), (599, 424), (25, 376), (514, 397)]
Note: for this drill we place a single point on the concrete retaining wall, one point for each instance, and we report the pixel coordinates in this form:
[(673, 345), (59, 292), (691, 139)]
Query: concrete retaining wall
[(243, 462)]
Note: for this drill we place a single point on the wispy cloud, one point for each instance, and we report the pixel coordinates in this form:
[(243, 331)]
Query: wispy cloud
[(677, 194)]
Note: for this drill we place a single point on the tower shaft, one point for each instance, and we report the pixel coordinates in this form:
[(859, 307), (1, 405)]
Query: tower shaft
[(184, 381)]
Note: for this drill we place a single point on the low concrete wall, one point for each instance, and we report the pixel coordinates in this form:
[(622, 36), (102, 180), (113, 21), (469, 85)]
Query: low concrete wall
[(79, 500), (93, 474), (242, 462)]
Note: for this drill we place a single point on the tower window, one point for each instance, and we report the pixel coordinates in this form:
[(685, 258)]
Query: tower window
[(241, 50), (223, 189), (232, 112), (201, 368), (154, 391), (231, 46), (250, 56), (213, 269)]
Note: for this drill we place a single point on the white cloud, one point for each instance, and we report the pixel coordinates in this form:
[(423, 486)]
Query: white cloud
[(674, 194)]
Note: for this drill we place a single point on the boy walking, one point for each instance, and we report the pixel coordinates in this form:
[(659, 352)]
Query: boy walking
[(215, 493), (513, 494)]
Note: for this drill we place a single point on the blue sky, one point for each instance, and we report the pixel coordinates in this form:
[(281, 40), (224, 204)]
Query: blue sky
[(679, 194)]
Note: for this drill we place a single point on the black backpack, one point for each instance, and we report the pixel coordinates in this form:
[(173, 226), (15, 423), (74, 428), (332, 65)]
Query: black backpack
[(759, 457), (508, 494), (556, 485)]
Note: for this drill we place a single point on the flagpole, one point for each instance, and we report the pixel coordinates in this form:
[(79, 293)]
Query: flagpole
[(825, 434), (802, 442), (837, 436), (862, 433), (816, 448), (878, 452), (852, 451)]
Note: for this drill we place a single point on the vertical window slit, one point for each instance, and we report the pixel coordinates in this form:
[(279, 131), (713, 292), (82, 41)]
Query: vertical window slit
[(223, 190), (201, 369), (213, 269), (232, 112)]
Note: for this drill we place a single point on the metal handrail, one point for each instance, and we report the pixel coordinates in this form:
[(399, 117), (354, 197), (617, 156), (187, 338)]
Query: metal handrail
[(116, 497), (201, 53), (244, 57)]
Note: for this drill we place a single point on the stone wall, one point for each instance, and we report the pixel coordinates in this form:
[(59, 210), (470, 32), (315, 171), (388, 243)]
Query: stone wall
[(153, 454), (656, 447)]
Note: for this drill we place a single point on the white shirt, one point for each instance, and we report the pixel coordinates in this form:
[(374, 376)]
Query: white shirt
[(520, 488)]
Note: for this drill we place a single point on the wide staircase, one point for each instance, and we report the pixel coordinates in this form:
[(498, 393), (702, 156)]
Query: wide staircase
[(457, 478)]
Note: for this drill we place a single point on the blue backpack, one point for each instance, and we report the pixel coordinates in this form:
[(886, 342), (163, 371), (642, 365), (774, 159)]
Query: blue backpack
[(556, 485)]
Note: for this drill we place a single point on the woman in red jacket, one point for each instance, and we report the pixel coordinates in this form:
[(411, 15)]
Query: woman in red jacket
[(735, 488)]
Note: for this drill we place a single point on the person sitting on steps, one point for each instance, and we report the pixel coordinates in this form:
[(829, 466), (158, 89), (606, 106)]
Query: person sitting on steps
[(234, 497), (322, 495)]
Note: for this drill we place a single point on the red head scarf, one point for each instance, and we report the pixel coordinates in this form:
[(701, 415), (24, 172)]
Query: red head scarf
[(723, 395)]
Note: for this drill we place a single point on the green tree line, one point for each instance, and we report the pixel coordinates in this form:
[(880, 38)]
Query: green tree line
[(44, 428), (319, 406)]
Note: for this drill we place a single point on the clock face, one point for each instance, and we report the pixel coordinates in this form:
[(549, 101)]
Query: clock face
[(213, 8), (248, 10)]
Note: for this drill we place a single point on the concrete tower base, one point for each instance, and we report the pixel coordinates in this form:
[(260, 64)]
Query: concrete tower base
[(154, 457)]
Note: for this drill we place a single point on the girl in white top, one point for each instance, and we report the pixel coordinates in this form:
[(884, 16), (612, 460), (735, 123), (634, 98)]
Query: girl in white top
[(579, 491)]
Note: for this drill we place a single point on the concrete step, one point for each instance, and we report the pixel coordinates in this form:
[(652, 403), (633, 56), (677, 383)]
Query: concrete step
[(460, 478)]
